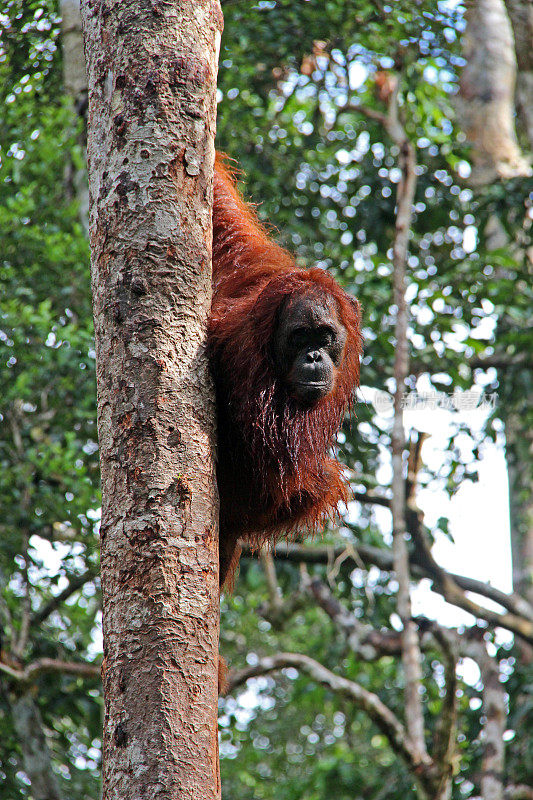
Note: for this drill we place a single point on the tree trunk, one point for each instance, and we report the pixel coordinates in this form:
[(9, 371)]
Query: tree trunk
[(151, 71), (495, 714), (485, 104), (486, 109), (74, 77), (519, 464), (35, 752), (521, 14), (75, 86)]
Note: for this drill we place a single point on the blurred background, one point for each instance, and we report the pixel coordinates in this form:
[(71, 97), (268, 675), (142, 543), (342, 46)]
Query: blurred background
[(316, 100)]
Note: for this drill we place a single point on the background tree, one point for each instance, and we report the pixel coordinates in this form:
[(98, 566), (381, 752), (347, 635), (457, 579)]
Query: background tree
[(487, 102), (326, 173)]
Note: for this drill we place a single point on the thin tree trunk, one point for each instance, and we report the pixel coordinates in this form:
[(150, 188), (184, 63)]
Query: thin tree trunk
[(519, 450), (410, 650), (519, 437), (35, 752), (411, 655), (521, 14), (75, 85), (495, 714), (74, 77), (152, 79)]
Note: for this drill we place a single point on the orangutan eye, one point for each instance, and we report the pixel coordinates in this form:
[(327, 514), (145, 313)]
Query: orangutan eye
[(327, 335), (299, 336)]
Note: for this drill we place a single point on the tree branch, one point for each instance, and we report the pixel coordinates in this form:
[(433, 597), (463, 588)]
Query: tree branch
[(53, 604), (518, 791), (370, 113), (521, 617), (366, 642), (371, 498), (380, 714), (426, 774), (36, 668), (500, 360), (454, 594)]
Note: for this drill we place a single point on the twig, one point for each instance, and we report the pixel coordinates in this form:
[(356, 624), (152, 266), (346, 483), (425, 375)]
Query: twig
[(390, 121), (276, 601), (370, 113)]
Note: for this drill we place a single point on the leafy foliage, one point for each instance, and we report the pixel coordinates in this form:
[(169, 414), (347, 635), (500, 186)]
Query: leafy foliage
[(49, 485)]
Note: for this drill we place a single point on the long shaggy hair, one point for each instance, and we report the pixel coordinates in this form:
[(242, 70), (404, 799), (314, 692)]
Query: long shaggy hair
[(275, 473)]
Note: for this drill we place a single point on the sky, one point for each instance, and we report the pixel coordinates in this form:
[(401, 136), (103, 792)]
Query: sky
[(479, 544)]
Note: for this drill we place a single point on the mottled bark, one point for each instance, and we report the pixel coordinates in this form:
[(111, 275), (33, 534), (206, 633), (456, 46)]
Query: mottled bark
[(485, 104), (75, 85), (521, 14), (35, 752), (152, 79)]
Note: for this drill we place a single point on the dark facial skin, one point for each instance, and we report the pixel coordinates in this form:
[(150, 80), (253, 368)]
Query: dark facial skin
[(308, 347)]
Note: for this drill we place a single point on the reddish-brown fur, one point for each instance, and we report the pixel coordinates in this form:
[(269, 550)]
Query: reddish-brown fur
[(275, 474)]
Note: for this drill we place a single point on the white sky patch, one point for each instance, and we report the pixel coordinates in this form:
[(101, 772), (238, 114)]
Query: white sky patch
[(464, 169), (357, 74), (96, 646), (470, 239), (50, 554), (479, 523), (468, 671)]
